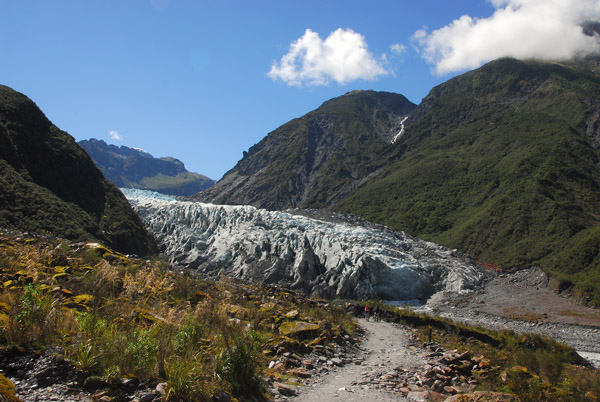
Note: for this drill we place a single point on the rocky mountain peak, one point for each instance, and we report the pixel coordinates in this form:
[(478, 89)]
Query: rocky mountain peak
[(318, 158)]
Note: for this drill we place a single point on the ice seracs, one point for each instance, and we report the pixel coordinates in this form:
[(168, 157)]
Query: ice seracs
[(317, 257)]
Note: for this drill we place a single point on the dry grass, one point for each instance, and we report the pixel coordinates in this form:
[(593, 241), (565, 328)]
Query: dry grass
[(117, 317)]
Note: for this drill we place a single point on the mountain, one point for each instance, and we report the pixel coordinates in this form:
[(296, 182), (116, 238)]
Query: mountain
[(134, 168), (333, 259), (318, 159), (502, 163), (48, 184)]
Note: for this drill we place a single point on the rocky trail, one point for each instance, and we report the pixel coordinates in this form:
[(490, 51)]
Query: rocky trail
[(393, 366), (388, 349)]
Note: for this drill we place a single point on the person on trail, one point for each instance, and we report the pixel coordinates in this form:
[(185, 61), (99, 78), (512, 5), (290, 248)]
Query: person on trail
[(376, 316), (367, 313)]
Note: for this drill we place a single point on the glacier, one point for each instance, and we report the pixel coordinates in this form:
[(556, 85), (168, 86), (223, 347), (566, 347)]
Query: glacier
[(328, 259)]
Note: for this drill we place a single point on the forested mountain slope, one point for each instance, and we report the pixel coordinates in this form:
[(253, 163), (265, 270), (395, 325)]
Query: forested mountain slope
[(319, 158), (502, 163), (48, 184)]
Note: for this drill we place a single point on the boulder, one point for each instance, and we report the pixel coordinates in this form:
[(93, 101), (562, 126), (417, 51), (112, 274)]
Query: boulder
[(285, 389), (299, 329)]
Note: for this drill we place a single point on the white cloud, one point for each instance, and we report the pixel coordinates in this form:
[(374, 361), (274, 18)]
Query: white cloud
[(342, 57), (543, 29), (114, 134), (398, 48)]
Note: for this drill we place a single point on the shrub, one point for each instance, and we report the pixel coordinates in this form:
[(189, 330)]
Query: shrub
[(239, 365), (141, 353), (183, 380), (188, 336), (35, 321)]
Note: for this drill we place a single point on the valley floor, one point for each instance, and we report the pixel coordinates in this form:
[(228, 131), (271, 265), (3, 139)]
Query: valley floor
[(523, 302)]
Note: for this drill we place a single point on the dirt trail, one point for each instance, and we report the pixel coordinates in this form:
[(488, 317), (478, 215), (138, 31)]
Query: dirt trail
[(387, 348)]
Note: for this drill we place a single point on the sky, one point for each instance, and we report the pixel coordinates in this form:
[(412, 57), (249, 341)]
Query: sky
[(203, 81)]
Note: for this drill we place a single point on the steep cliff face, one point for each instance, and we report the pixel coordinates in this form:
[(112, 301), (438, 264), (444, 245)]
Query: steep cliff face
[(314, 256), (318, 159), (134, 168), (48, 184)]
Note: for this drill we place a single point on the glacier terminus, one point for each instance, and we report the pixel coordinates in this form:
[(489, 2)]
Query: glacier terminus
[(329, 259)]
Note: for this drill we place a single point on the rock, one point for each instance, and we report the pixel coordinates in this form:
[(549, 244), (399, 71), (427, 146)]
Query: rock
[(418, 396), (337, 361), (404, 390), (93, 383), (316, 342), (450, 390), (149, 397), (161, 388), (222, 396), (453, 356), (299, 329), (285, 389), (301, 372)]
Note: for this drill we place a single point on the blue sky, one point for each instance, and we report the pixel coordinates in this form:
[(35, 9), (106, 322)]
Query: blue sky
[(204, 81)]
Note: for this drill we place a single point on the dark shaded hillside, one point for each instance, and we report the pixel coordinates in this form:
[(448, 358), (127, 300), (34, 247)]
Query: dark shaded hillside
[(132, 168), (318, 159), (49, 184), (502, 163)]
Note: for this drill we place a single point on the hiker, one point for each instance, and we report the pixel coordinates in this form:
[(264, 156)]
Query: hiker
[(376, 313), (367, 313)]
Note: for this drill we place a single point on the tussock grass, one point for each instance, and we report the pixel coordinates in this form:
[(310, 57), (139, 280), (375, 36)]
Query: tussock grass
[(117, 317)]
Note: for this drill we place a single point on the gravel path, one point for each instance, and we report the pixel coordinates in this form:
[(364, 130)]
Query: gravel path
[(386, 348)]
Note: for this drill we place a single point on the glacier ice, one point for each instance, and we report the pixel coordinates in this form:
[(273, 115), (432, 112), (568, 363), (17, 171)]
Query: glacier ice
[(314, 256)]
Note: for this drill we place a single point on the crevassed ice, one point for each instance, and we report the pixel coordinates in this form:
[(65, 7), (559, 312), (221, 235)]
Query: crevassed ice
[(317, 257), (134, 192)]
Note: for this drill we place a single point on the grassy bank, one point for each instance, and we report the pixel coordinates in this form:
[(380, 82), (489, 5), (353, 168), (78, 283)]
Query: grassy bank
[(116, 317), (533, 367)]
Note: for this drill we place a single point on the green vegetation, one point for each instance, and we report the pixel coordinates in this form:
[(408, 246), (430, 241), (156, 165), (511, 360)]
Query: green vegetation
[(116, 317), (318, 159), (500, 163), (49, 185)]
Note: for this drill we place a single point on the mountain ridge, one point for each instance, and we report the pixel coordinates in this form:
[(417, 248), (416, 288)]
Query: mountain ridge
[(317, 159), (135, 168), (500, 162)]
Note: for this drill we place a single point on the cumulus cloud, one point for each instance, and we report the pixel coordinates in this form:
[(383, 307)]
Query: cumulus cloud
[(114, 134), (342, 57), (543, 29)]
